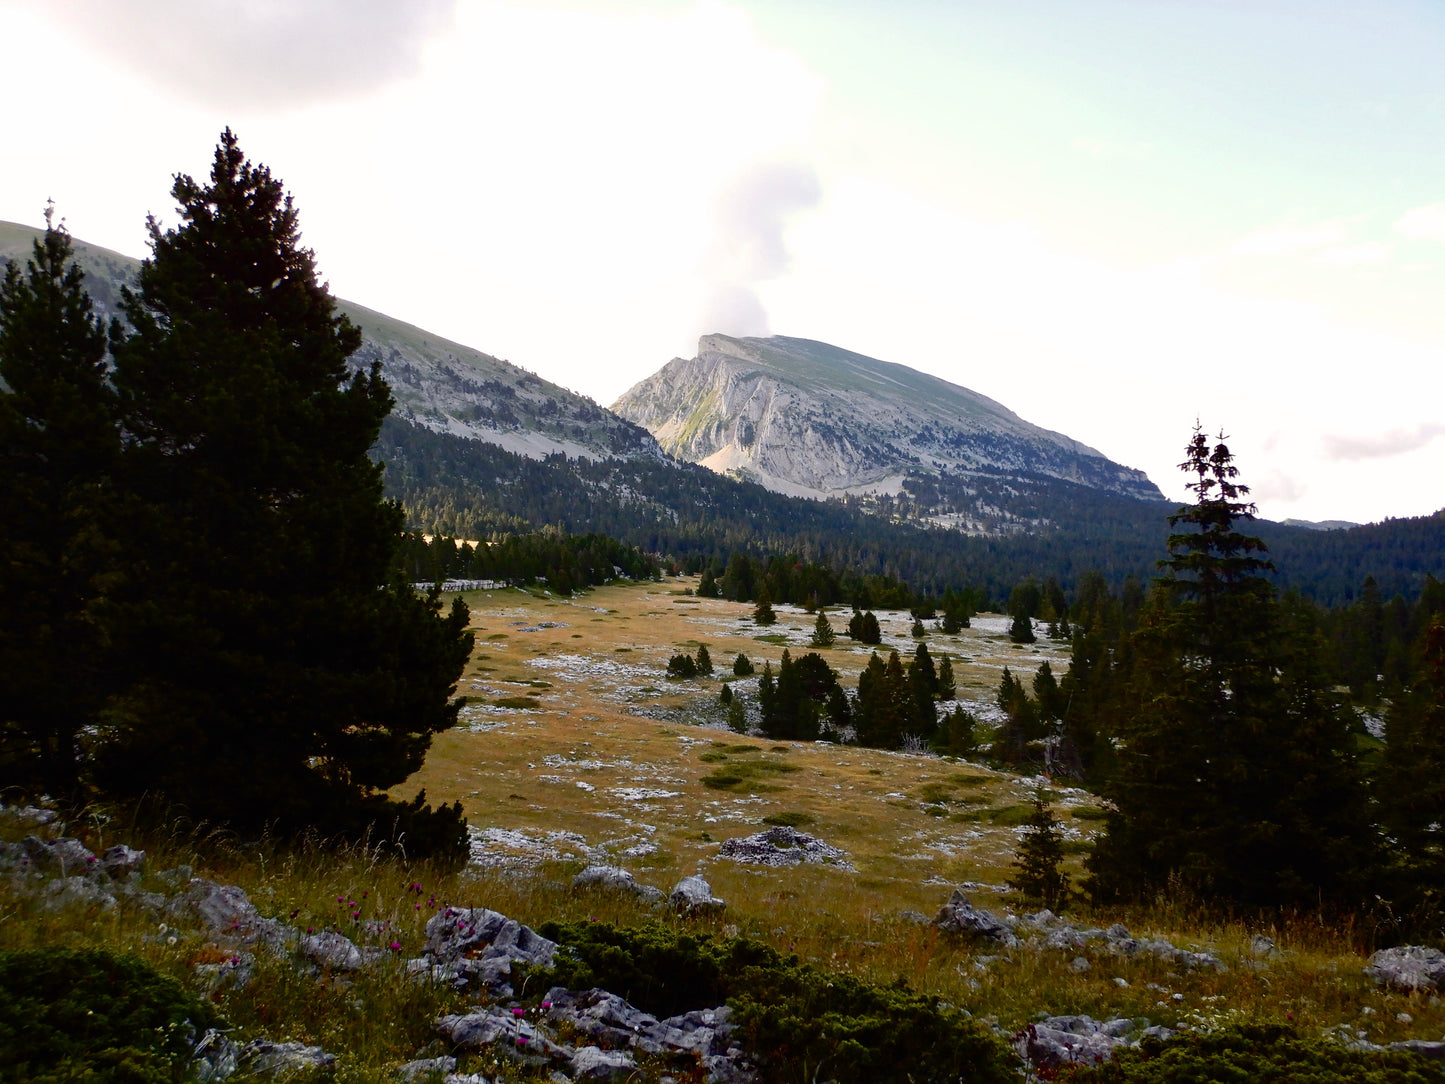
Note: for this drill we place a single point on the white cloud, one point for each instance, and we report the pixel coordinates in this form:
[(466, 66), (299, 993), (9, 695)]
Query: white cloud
[(244, 54), (1423, 223), (1286, 240), (750, 218), (1395, 442)]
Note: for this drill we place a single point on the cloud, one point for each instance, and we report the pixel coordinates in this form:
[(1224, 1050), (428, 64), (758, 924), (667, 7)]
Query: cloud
[(1285, 240), (1423, 223), (1279, 487), (750, 220), (1395, 442), (247, 54)]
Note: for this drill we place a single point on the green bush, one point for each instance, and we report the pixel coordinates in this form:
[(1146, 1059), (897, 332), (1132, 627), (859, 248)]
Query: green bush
[(95, 1017), (795, 1021), (1258, 1054)]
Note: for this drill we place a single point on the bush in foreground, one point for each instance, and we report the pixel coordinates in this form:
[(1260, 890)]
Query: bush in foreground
[(797, 1022)]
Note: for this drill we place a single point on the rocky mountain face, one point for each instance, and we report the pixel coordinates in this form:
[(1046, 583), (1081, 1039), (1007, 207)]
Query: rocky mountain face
[(810, 419), (438, 385)]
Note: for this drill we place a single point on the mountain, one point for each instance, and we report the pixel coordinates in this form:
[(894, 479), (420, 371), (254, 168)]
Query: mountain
[(810, 419), (438, 385)]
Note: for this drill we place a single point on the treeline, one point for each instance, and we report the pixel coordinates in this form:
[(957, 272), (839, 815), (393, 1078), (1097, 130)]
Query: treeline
[(564, 562), (470, 489), (1208, 711), (190, 518)]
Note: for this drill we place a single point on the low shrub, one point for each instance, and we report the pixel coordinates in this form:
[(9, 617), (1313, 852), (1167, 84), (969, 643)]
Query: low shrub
[(796, 1021), (1259, 1054), (95, 1016)]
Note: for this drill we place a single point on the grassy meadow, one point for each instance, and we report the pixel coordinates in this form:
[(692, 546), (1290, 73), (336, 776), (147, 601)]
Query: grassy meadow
[(575, 748)]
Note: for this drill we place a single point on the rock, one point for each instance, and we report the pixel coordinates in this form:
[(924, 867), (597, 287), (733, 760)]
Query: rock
[(1059, 1040), (466, 944), (77, 892), (783, 846), (64, 855), (960, 916), (120, 861), (331, 949), (606, 1018), (615, 879), (1080, 965), (235, 972), (227, 912), (1407, 967), (214, 1058), (423, 1068), (590, 1063), (507, 1033), (1262, 947), (32, 814), (176, 877), (284, 1059), (693, 896)]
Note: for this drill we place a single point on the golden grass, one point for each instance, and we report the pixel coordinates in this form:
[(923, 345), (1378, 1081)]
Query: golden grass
[(584, 763)]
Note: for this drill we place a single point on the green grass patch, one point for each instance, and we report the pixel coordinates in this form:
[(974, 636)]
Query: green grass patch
[(1089, 813), (750, 773), (497, 636), (772, 638), (788, 820), (1011, 816), (520, 703)]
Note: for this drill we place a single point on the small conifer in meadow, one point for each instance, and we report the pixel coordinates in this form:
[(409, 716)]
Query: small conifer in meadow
[(1039, 875), (823, 635)]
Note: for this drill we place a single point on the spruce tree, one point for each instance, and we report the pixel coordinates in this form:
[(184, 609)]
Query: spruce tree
[(947, 686), (266, 640), (763, 609), (823, 635), (1039, 875), (1236, 778), (704, 661), (58, 446), (742, 667)]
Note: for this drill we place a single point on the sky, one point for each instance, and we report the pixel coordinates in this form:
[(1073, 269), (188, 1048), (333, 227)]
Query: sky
[(1116, 217)]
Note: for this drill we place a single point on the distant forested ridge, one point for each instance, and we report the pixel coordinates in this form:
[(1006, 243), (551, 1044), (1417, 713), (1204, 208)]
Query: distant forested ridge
[(471, 489)]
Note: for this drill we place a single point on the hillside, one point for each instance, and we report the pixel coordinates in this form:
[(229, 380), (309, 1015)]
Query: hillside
[(810, 419), (438, 385)]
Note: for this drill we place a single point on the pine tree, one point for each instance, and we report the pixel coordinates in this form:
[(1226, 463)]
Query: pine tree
[(823, 635), (263, 633), (1039, 875), (1237, 777), (742, 667), (704, 661), (947, 686), (58, 445), (1021, 630), (763, 609)]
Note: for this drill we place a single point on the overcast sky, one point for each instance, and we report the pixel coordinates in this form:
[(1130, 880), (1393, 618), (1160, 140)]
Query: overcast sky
[(1113, 216)]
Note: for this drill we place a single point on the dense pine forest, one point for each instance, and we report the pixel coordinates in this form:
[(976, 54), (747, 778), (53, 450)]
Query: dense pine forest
[(469, 489)]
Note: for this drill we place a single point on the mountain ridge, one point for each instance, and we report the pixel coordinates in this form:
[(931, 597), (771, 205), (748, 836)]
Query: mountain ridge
[(811, 419), (438, 384)]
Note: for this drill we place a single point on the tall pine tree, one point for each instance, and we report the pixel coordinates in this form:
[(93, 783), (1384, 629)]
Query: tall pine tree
[(58, 446), (1236, 777), (278, 669)]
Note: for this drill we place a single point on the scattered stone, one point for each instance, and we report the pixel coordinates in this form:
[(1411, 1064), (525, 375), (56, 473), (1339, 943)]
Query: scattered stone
[(336, 951), (960, 916), (693, 896), (466, 944), (64, 855), (1433, 1050), (615, 879), (214, 1058), (783, 846), (227, 912), (507, 1033), (119, 862), (423, 1068), (175, 878), (1059, 1040), (1262, 947), (592, 1063), (77, 892), (284, 1059), (1407, 967), (235, 972), (1080, 965)]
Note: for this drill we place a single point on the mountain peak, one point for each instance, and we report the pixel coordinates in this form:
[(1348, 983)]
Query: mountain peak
[(809, 418)]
